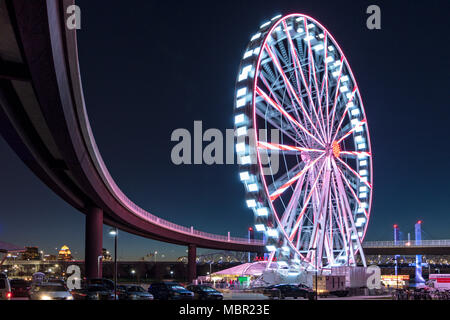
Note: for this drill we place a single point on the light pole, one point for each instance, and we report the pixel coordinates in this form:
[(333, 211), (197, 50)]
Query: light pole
[(317, 273), (210, 271), (115, 234)]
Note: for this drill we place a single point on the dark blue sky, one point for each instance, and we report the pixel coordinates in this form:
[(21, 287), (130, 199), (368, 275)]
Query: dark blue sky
[(152, 67)]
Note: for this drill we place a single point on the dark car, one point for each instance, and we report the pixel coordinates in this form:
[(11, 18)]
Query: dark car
[(283, 291), (20, 288), (108, 284), (202, 292), (132, 292), (170, 291), (93, 292)]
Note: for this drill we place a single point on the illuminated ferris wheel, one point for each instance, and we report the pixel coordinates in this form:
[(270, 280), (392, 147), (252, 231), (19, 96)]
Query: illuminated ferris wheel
[(303, 144)]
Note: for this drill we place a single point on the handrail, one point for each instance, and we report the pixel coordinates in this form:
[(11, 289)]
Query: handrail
[(407, 244)]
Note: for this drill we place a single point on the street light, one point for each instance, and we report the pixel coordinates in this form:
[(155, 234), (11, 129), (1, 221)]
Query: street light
[(156, 252), (115, 234)]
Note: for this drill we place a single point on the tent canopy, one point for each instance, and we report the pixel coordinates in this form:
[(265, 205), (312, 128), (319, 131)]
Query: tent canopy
[(246, 270)]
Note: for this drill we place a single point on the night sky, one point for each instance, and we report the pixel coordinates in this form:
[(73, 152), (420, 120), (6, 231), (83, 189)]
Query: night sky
[(150, 67)]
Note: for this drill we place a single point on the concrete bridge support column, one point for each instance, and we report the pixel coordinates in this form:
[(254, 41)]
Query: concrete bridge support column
[(192, 263), (94, 243)]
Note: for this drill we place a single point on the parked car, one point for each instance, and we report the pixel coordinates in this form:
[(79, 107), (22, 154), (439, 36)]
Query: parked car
[(133, 292), (93, 292), (50, 291), (20, 288), (5, 287), (283, 291), (170, 291), (202, 292), (106, 283)]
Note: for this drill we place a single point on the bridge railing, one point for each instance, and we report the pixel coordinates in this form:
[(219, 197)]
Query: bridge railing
[(405, 244)]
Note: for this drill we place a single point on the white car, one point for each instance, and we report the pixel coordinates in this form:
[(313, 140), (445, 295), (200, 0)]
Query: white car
[(50, 291), (5, 288)]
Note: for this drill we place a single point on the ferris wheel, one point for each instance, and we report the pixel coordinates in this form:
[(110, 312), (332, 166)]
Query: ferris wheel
[(303, 145)]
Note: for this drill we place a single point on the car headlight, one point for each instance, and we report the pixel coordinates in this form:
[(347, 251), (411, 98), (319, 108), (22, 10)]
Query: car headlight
[(44, 297), (69, 298)]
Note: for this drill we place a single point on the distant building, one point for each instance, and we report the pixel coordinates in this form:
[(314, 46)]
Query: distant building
[(65, 254), (50, 257), (106, 255), (31, 253)]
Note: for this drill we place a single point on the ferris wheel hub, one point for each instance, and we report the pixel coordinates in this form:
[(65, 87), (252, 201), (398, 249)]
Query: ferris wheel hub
[(336, 149)]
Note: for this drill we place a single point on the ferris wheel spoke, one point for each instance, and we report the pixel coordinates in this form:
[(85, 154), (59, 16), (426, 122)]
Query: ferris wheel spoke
[(296, 62), (305, 207), (335, 213), (347, 107), (286, 114), (356, 154), (291, 90), (325, 86), (293, 203), (345, 212), (356, 128), (279, 147), (355, 196), (312, 63), (336, 98), (343, 227), (266, 84), (322, 213), (355, 173), (341, 189), (280, 191), (279, 127)]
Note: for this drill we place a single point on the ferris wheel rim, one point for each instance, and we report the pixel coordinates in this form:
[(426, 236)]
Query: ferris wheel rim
[(268, 33)]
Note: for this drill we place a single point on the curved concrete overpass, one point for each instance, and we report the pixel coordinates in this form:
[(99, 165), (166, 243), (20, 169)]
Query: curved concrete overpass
[(43, 118)]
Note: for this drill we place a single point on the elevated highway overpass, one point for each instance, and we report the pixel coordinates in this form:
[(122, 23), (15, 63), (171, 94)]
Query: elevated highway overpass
[(43, 117)]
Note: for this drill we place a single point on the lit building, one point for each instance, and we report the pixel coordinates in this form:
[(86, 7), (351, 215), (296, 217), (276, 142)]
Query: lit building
[(65, 254), (31, 253)]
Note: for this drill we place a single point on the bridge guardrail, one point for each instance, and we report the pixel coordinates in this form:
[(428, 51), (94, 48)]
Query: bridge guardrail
[(406, 244)]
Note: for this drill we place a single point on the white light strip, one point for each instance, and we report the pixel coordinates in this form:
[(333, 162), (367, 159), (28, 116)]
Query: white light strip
[(251, 204), (256, 36), (253, 187), (241, 147), (262, 212), (245, 176), (246, 160)]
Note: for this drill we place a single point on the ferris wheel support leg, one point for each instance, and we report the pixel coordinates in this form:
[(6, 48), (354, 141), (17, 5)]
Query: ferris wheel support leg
[(350, 216), (192, 263)]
